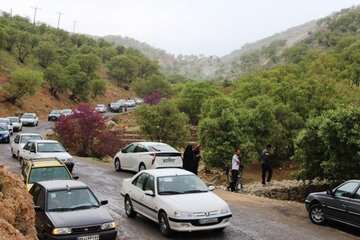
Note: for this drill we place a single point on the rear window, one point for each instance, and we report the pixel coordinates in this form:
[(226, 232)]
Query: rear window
[(50, 147), (25, 139), (48, 173), (161, 148)]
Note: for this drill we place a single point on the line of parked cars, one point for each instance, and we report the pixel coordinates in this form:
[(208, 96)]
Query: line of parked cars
[(119, 106), (54, 115)]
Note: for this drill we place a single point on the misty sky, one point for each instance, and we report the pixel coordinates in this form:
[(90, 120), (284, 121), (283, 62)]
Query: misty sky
[(209, 27)]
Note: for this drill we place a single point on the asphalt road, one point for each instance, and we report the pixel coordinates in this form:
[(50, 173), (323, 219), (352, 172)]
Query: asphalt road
[(253, 218)]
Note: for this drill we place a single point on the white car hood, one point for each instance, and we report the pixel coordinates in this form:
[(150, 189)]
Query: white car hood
[(195, 202), (59, 155)]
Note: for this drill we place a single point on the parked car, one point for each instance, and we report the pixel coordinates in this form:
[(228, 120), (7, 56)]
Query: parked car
[(123, 105), (100, 108), (30, 119), (68, 209), (54, 115), (342, 204), (139, 100), (4, 133), (20, 140), (115, 107), (8, 123), (67, 112), (130, 103), (16, 123), (44, 170), (145, 155), (176, 199), (35, 149)]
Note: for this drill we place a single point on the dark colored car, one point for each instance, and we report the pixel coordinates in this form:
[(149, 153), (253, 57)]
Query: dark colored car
[(115, 107), (342, 204), (68, 209), (4, 133)]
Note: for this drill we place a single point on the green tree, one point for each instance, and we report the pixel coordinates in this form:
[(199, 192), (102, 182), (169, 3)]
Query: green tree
[(88, 63), (80, 83), (154, 83), (23, 82), (329, 146), (23, 45), (98, 87), (45, 54), (163, 122), (123, 69), (56, 79)]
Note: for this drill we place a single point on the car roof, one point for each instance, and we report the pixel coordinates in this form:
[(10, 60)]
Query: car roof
[(46, 162), (61, 184), (163, 172), (29, 134), (150, 143), (12, 117), (29, 113), (43, 141)]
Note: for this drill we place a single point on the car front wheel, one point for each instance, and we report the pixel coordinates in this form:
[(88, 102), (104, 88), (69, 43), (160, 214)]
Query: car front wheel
[(164, 225), (117, 165), (316, 214), (129, 210)]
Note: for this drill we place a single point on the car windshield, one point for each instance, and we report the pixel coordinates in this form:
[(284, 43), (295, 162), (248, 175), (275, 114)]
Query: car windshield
[(161, 148), (71, 199), (100, 105), (66, 111), (180, 184), (26, 138), (48, 173), (3, 128), (50, 147), (27, 116), (14, 119), (56, 112), (4, 121)]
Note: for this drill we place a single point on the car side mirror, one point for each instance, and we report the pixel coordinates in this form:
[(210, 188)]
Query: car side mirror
[(149, 193), (104, 202), (38, 209), (329, 192), (211, 188)]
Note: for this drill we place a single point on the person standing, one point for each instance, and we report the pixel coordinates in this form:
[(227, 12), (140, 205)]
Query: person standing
[(266, 164), (188, 158), (235, 163), (197, 158)]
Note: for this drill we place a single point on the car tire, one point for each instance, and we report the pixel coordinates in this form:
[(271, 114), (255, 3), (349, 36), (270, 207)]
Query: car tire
[(142, 167), (117, 165), (316, 214), (164, 226), (129, 210), (12, 153)]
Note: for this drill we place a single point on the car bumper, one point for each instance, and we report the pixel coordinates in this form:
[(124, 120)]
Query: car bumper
[(307, 205), (6, 139), (16, 128), (28, 123), (186, 225), (106, 235)]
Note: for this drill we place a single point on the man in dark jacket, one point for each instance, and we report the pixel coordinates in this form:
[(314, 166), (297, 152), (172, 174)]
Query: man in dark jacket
[(266, 164)]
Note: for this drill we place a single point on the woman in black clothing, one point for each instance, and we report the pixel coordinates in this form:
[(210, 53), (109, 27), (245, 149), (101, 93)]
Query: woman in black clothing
[(188, 158)]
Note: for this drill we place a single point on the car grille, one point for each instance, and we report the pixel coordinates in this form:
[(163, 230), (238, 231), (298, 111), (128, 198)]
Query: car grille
[(206, 214), (87, 229)]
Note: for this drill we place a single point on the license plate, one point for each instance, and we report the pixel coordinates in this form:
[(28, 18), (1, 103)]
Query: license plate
[(91, 237), (209, 220), (168, 160)]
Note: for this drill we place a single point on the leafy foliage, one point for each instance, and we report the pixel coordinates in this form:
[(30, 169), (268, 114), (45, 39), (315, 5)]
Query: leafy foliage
[(329, 146), (163, 122)]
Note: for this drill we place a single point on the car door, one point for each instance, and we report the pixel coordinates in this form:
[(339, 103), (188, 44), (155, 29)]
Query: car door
[(25, 152), (353, 209), (15, 145), (137, 192), (38, 194), (139, 156), (126, 157), (150, 202), (336, 204)]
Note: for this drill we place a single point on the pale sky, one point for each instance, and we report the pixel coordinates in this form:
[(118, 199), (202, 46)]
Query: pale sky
[(209, 27)]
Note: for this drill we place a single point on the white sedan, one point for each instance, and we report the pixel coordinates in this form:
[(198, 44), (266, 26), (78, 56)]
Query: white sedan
[(100, 108), (20, 140), (175, 199), (145, 155)]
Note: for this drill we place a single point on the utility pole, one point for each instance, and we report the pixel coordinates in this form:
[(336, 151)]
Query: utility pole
[(60, 13), (35, 9), (74, 26)]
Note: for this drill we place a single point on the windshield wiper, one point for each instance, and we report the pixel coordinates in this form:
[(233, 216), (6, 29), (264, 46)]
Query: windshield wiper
[(169, 192), (59, 209), (195, 191), (85, 207)]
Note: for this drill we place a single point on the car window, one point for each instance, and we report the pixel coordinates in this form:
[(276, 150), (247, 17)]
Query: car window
[(26, 138), (40, 201), (50, 147), (357, 194), (16, 140), (139, 181), (161, 148), (180, 184), (32, 147), (140, 148), (27, 146), (48, 173), (3, 128), (130, 148), (150, 183), (35, 192), (346, 190)]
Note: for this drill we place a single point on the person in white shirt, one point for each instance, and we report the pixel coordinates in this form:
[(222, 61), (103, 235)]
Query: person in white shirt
[(235, 163)]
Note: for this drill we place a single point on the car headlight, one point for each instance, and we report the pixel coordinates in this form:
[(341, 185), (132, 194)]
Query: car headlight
[(225, 210), (61, 231), (109, 225), (183, 214), (6, 135)]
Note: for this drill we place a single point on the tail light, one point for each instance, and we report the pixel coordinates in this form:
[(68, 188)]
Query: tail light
[(153, 158)]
